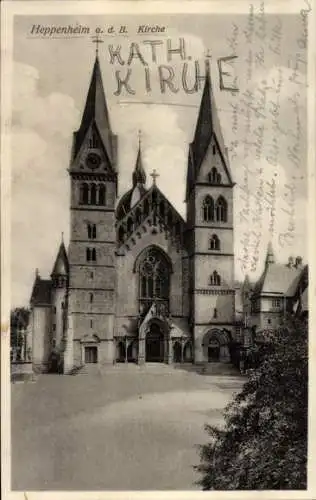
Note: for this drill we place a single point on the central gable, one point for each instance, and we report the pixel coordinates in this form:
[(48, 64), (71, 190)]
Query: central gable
[(153, 210)]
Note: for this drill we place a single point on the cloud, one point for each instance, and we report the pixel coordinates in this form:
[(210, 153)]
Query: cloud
[(40, 155)]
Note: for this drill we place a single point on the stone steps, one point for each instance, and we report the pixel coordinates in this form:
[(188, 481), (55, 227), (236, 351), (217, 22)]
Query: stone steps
[(157, 368)]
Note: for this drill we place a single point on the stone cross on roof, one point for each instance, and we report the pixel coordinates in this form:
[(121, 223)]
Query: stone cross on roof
[(96, 39), (154, 175)]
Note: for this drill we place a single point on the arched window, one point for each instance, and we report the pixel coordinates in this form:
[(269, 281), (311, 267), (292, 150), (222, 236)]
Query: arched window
[(92, 231), (91, 297), (88, 254), (208, 209), (154, 271), (138, 216), (84, 193), (162, 209), (215, 279), (102, 194), (146, 207), (170, 218), (93, 141), (214, 177), (93, 194), (121, 234), (154, 198), (221, 209), (93, 254), (130, 225), (215, 243)]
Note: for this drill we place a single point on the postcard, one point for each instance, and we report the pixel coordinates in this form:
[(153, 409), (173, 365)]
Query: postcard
[(158, 215)]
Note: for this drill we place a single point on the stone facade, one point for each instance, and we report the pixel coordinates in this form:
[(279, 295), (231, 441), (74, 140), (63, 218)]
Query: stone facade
[(138, 283)]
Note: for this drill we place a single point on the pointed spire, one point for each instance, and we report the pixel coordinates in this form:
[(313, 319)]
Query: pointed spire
[(207, 129), (270, 255), (139, 174), (96, 113), (61, 263)]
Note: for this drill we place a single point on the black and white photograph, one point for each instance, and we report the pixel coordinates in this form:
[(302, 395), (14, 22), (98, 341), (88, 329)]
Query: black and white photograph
[(158, 207)]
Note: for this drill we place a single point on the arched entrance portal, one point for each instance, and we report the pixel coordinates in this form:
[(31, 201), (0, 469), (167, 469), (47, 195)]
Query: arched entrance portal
[(216, 346), (155, 344), (177, 352), (213, 351)]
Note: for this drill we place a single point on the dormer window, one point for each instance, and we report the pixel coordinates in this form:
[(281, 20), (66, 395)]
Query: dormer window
[(214, 149)]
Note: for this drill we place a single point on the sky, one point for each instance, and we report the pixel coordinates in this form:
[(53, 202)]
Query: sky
[(263, 125)]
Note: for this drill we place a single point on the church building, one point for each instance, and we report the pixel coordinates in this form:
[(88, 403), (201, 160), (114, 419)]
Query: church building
[(138, 283)]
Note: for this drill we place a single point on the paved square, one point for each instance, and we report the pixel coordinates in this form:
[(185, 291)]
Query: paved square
[(122, 429)]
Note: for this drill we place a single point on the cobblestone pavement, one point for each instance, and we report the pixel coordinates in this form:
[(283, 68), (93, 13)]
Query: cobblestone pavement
[(124, 429)]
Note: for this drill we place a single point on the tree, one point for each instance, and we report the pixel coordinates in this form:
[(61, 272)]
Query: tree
[(263, 444), (19, 320)]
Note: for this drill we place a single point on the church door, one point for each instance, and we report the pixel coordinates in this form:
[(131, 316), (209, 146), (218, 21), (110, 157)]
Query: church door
[(91, 354), (155, 345), (132, 352), (213, 351), (177, 352)]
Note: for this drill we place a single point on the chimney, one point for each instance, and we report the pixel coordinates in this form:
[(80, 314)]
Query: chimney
[(290, 263)]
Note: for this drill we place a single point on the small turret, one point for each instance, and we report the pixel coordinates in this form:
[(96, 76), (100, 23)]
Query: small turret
[(270, 259), (138, 177), (59, 273), (139, 174)]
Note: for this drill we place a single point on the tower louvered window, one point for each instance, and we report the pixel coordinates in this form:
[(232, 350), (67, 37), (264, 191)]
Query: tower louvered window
[(84, 193), (221, 209), (208, 209), (102, 194)]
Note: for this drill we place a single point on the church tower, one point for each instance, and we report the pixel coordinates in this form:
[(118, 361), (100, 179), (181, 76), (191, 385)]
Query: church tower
[(209, 199), (92, 273)]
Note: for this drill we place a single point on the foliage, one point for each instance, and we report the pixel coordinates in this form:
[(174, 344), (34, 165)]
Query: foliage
[(19, 320), (263, 444)]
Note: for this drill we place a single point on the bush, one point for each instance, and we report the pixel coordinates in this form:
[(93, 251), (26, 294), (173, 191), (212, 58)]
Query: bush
[(263, 444)]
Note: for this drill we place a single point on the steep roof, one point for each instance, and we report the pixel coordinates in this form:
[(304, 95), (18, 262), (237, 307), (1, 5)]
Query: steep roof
[(304, 300), (41, 293), (139, 174), (124, 205), (96, 112), (278, 278), (207, 127), (61, 265)]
